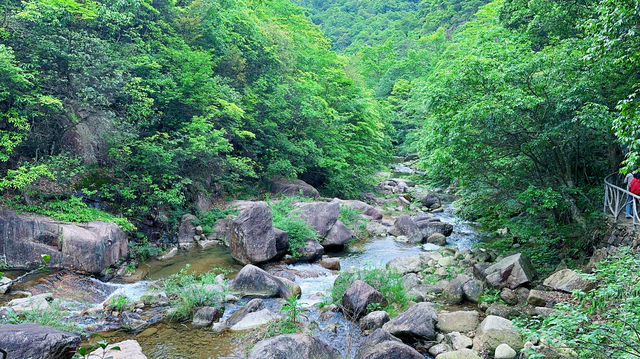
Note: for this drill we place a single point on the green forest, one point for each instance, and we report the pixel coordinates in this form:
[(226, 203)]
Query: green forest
[(132, 111)]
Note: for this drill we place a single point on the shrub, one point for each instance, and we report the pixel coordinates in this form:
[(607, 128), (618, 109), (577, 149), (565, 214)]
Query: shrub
[(187, 292), (208, 219), (387, 282), (351, 218), (142, 249), (286, 217), (603, 323)]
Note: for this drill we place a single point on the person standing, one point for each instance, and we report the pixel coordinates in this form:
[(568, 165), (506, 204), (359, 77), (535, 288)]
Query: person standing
[(634, 186), (627, 181)]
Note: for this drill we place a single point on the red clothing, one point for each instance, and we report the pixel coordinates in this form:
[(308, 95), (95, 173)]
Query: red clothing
[(635, 186)]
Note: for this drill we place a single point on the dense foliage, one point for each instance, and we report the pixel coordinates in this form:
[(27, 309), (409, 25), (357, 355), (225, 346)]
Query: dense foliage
[(160, 100)]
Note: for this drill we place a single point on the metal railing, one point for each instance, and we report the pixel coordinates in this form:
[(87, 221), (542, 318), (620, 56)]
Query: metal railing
[(616, 199)]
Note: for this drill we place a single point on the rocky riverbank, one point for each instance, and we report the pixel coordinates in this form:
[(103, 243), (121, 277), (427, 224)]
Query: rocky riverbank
[(458, 300)]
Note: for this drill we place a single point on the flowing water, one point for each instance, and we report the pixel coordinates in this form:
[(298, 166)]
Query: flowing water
[(174, 340)]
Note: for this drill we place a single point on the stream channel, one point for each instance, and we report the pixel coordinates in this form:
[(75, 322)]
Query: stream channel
[(175, 340)]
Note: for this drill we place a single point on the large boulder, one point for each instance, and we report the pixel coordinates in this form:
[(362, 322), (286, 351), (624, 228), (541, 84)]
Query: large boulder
[(431, 200), (33, 341), (389, 349), (373, 320), (339, 235), (187, 231), (252, 281), (320, 215), (128, 349), (461, 321), (417, 323), (310, 252), (566, 280), (253, 238), (205, 316), (293, 187), (431, 227), (89, 248), (357, 297), (293, 346), (510, 272), (405, 226), (494, 331)]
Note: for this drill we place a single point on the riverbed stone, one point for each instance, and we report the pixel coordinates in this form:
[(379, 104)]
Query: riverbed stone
[(453, 293), (255, 319), (472, 290), (310, 252), (293, 187), (128, 349), (494, 331), (437, 238), (132, 322), (338, 236), (459, 354), (543, 298), (38, 302), (357, 298), (458, 341), (89, 248), (187, 231), (332, 263), (252, 281), (155, 298), (293, 346), (567, 281), (404, 265), (430, 227), (389, 350), (439, 349), (320, 215), (37, 342), (504, 351), (205, 316), (417, 323), (374, 320), (365, 209), (459, 321), (511, 272), (5, 284), (252, 237)]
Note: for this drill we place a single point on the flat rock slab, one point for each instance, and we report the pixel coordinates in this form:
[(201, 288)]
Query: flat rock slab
[(33, 341)]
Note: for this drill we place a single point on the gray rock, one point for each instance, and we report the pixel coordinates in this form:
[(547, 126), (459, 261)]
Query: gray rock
[(410, 282), (252, 281), (458, 341), (431, 200), (439, 349), (566, 280), (357, 298), (504, 351), (33, 341), (4, 285), (293, 187), (509, 296), (155, 298), (431, 227), (187, 231), (541, 298), (38, 302), (252, 306), (437, 238), (404, 265), (511, 272), (332, 263), (255, 319), (454, 293), (460, 321), (365, 209), (405, 226), (494, 331), (459, 354), (472, 290), (320, 215), (253, 239), (282, 241), (205, 316), (293, 346), (339, 235), (89, 248), (389, 350), (417, 323), (374, 320), (311, 251), (132, 322)]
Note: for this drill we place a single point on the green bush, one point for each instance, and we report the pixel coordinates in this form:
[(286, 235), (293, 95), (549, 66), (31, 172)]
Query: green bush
[(187, 292), (208, 219), (603, 323), (286, 217), (142, 249), (387, 282), (73, 210), (352, 218)]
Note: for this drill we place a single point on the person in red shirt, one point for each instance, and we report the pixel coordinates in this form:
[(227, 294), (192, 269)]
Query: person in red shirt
[(634, 187)]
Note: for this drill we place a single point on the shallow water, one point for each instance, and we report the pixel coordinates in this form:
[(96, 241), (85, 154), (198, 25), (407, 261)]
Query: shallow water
[(175, 340)]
